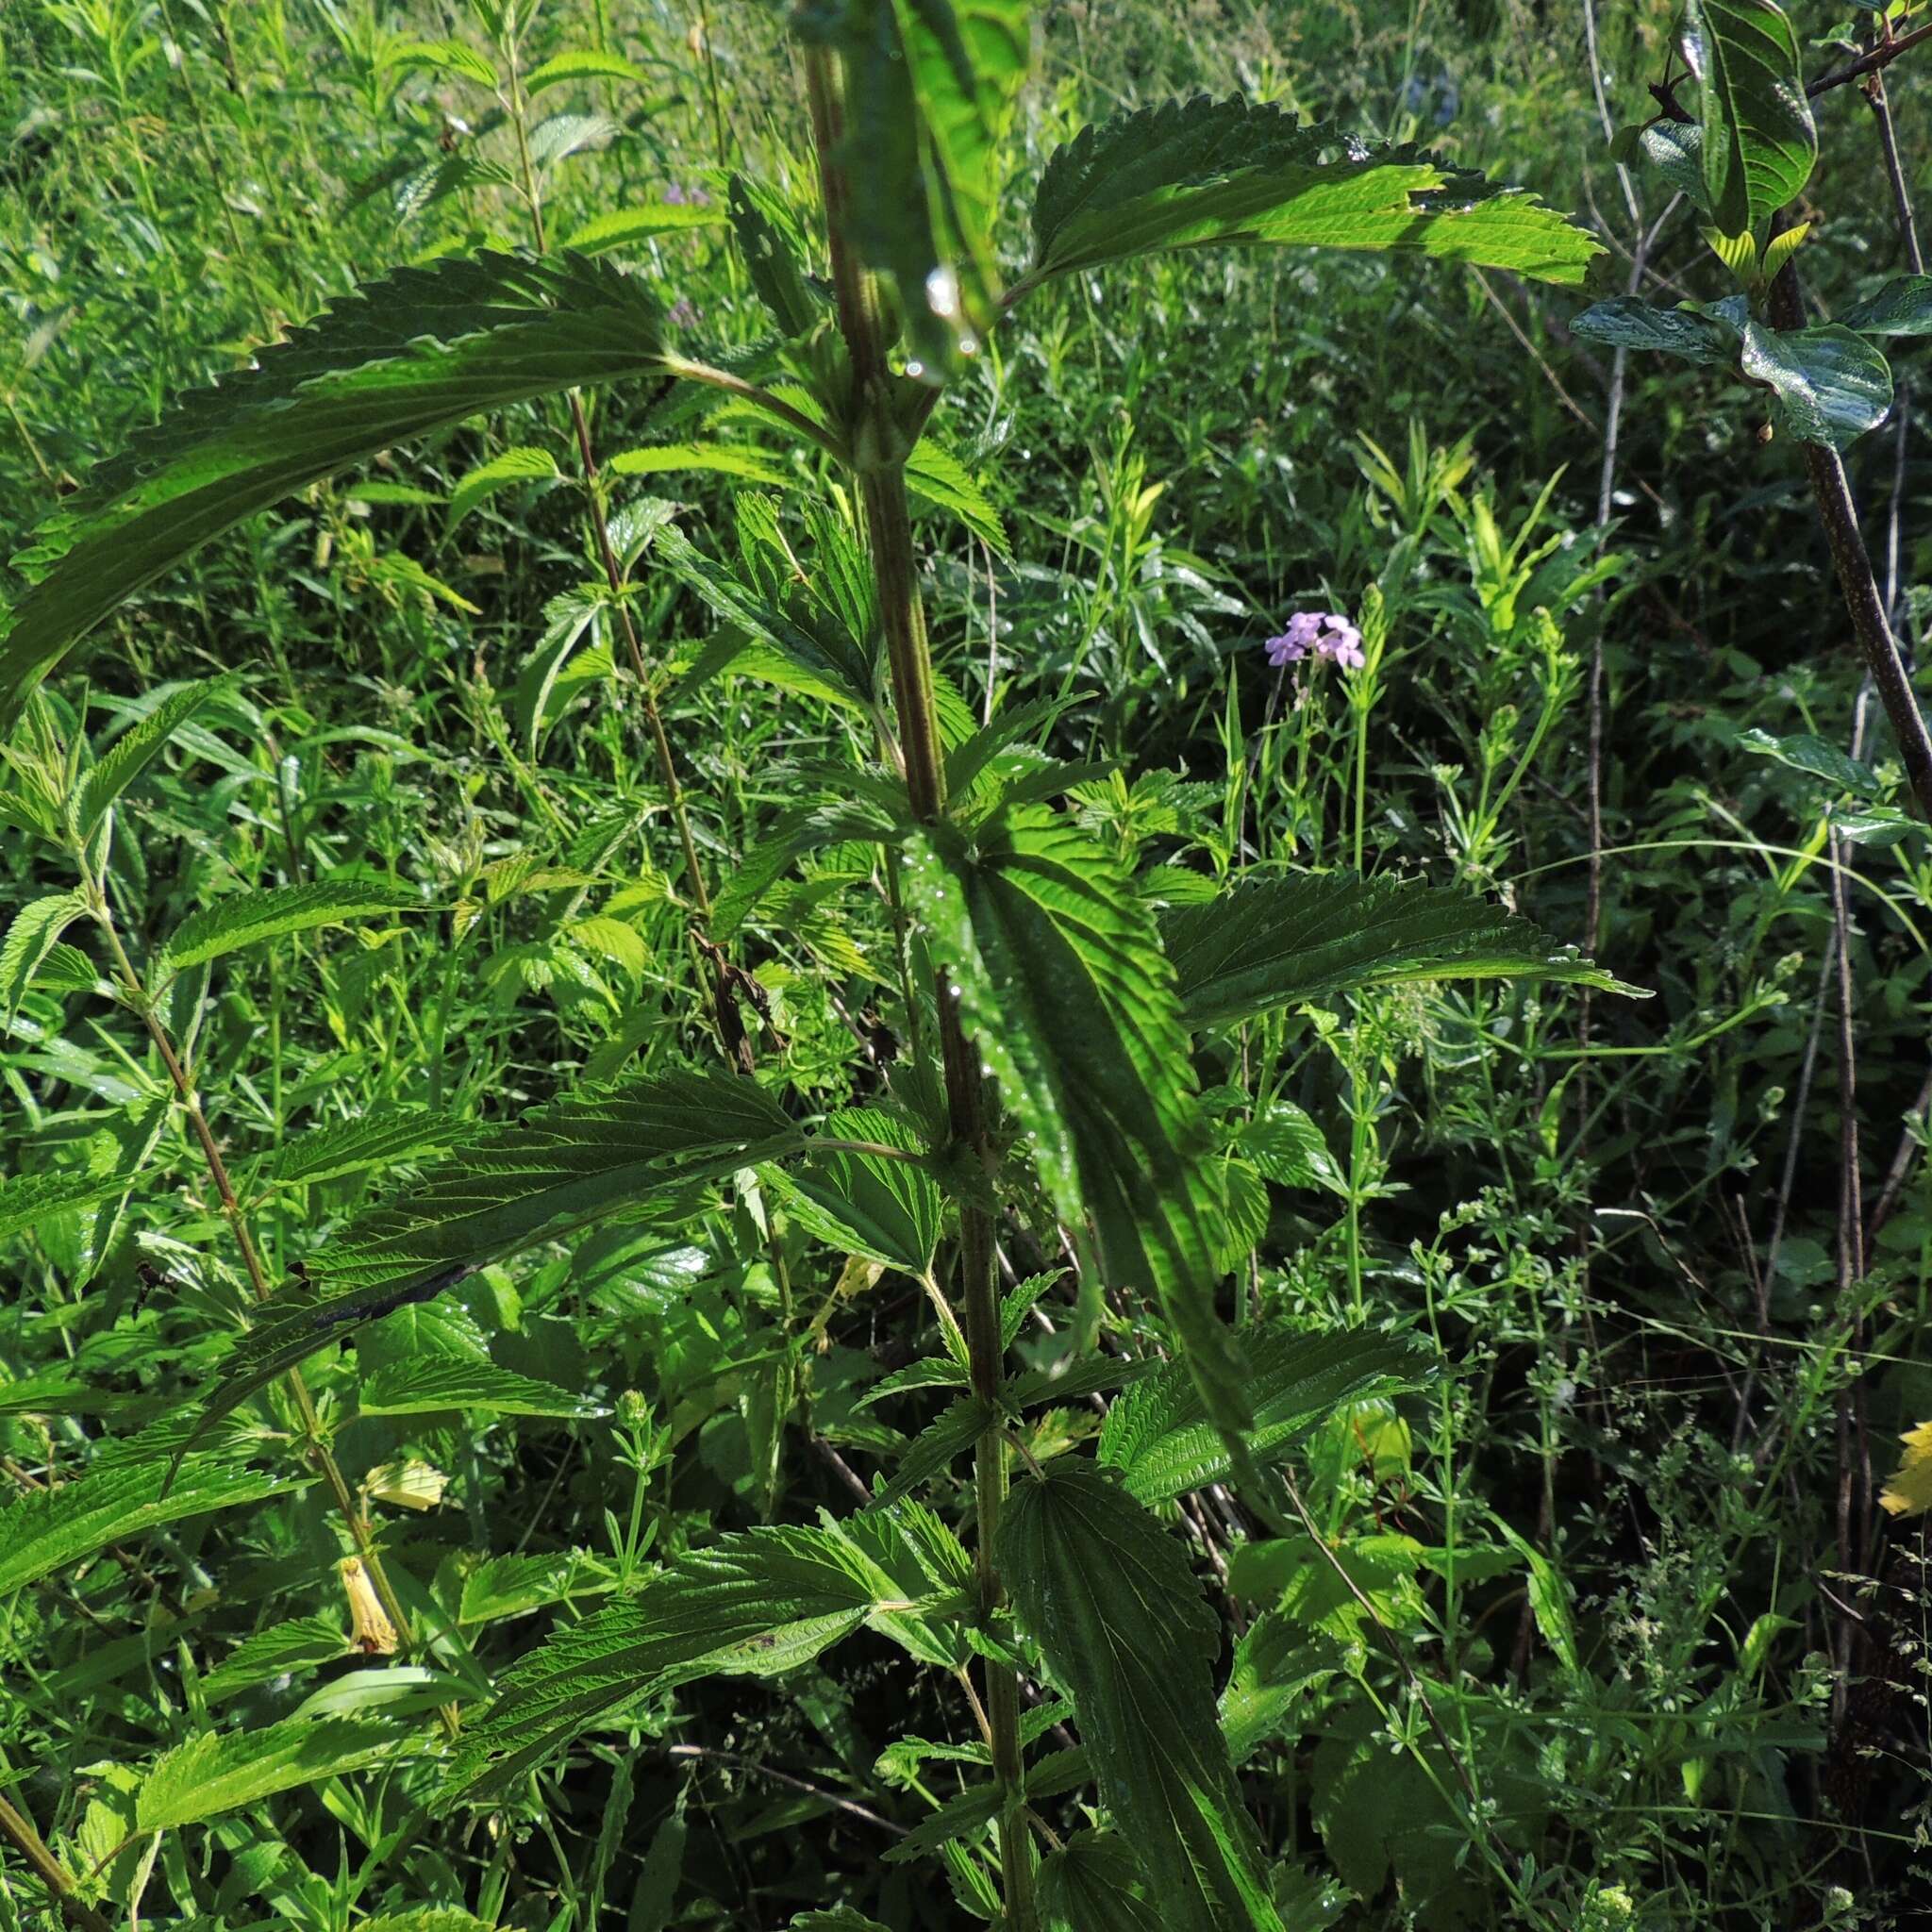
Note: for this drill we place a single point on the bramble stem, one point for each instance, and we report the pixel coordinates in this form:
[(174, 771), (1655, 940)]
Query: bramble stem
[(881, 481)]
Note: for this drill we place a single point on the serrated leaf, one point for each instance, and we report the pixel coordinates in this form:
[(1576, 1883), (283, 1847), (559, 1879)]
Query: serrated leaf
[(1759, 142), (941, 478), (757, 1604), (425, 1385), (1110, 1599), (753, 465), (445, 57), (301, 1644), (1276, 1663), (562, 135), (215, 1773), (827, 666), (1901, 308), (769, 242), (137, 747), (556, 1171), (806, 828), (33, 933), (584, 63), (1277, 941), (867, 1203), (1063, 985), (1091, 1883), (936, 1447), (1290, 1149), (1199, 173), (520, 465), (623, 225), (1159, 1437), (50, 1530), (271, 913), (344, 1147), (113, 1160), (420, 349)]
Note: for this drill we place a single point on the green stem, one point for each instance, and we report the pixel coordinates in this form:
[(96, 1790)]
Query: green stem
[(25, 1840), (889, 531)]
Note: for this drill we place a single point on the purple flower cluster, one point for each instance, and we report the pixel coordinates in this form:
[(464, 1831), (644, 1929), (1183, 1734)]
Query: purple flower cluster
[(1326, 632), (680, 196)]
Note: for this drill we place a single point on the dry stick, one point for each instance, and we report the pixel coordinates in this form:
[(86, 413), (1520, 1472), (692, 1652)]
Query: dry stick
[(882, 491), (19, 1832)]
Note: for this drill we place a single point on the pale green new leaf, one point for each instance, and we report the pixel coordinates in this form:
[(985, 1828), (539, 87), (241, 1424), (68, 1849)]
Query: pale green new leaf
[(427, 1383), (1160, 1441), (1063, 985), (753, 1604), (136, 748), (1277, 941), (1199, 173), (753, 465), (49, 1529), (223, 1772), (272, 913), (420, 349), (1759, 142), (33, 933), (520, 465), (582, 64), (444, 56), (623, 225), (1125, 1630)]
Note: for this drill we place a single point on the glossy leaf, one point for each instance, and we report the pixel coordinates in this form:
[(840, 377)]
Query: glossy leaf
[(1759, 142), (1629, 321), (1830, 383), (1199, 173), (936, 1447), (1901, 308), (1063, 985), (1277, 941), (1110, 1599), (420, 349)]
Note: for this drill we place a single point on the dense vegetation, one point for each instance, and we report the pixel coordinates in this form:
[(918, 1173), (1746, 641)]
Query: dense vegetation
[(1054, 1057)]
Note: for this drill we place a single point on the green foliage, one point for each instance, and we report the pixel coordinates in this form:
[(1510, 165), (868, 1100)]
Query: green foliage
[(1277, 941), (1759, 144), (412, 353), (1124, 1630)]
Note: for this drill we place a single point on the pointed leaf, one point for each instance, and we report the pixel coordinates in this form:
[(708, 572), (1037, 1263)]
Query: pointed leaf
[(1631, 322), (936, 1447), (1063, 985), (423, 1386), (130, 754), (1124, 1627), (1159, 1436), (423, 349), (1831, 384), (1197, 173), (1901, 308), (1277, 941), (1759, 142), (217, 1773), (248, 918), (32, 934), (520, 465)]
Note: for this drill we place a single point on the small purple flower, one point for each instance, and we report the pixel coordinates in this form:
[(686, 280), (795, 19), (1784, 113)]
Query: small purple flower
[(680, 196), (1328, 633), (682, 313)]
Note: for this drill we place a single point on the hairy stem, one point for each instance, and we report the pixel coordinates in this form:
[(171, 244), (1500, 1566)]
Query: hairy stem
[(889, 531)]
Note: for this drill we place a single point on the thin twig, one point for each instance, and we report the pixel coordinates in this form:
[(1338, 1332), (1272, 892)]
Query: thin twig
[(797, 1784)]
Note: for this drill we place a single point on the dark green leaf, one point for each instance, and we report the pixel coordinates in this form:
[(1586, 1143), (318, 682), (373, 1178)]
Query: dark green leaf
[(1091, 1885), (1276, 942), (216, 1772), (1901, 308), (867, 1203), (936, 1447), (1063, 985), (1197, 173), (769, 241), (422, 348), (1124, 1629), (1159, 1437), (1830, 383), (427, 1384), (1759, 142), (1631, 322)]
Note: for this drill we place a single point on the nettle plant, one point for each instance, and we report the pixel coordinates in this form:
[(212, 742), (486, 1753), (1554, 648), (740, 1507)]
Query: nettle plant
[(1058, 1014)]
